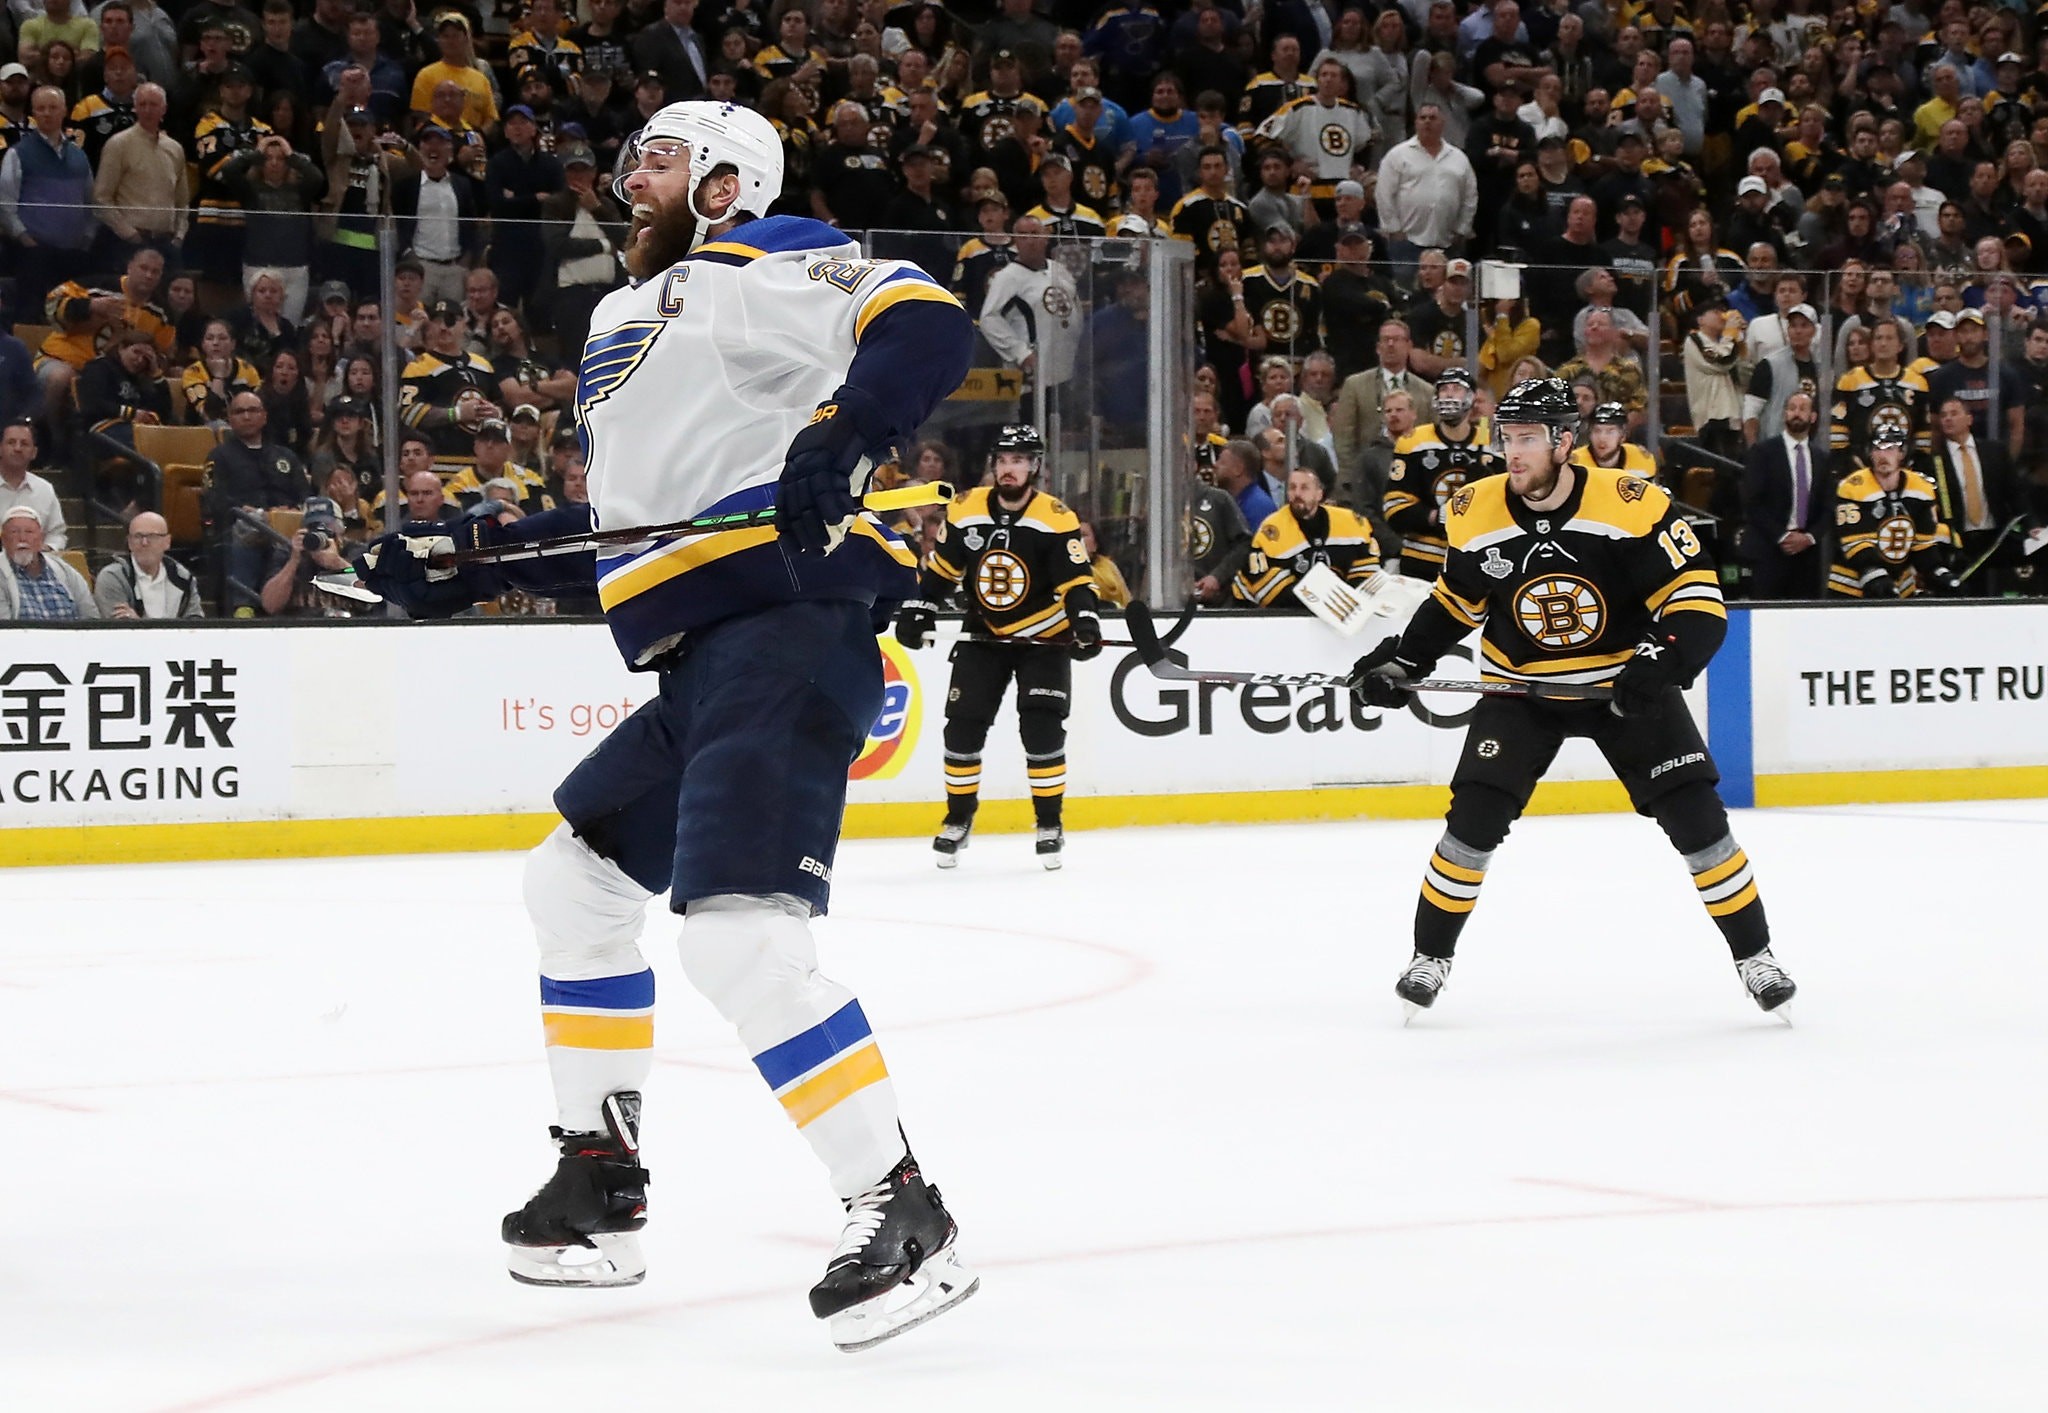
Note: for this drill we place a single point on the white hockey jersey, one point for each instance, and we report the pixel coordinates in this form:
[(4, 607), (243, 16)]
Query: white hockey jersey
[(692, 386)]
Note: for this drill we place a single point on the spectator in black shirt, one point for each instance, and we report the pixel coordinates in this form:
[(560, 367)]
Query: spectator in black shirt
[(1524, 229), (1553, 287), (518, 178), (852, 185), (1634, 260), (919, 207), (250, 474), (1626, 179)]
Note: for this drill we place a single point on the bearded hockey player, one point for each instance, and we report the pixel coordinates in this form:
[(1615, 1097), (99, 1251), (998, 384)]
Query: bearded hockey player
[(754, 363), (1031, 610), (1581, 575), (1429, 466)]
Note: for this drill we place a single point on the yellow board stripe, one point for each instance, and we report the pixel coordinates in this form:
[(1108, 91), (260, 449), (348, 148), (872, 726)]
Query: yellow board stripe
[(1725, 869), (1735, 904), (572, 1031), (822, 1090), (660, 568), (1446, 901), (901, 292), (1457, 873)]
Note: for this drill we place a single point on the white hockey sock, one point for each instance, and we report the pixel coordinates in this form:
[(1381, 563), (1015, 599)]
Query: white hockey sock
[(596, 990), (756, 961)]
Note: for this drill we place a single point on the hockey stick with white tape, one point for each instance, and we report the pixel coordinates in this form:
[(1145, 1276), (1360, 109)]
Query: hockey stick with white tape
[(1152, 653), (901, 498)]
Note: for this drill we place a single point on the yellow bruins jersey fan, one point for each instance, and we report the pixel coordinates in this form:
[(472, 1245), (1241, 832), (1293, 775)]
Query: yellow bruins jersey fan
[(1566, 595), (1015, 568), (1428, 469), (1288, 546), (1887, 539)]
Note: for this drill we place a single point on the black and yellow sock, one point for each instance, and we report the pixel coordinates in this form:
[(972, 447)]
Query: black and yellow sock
[(1048, 775), (1450, 890), (1721, 874), (963, 786)]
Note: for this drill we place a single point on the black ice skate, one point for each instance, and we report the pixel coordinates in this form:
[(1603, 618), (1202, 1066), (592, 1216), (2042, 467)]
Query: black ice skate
[(952, 839), (1419, 984), (578, 1229), (896, 1265), (1051, 839), (1768, 985)]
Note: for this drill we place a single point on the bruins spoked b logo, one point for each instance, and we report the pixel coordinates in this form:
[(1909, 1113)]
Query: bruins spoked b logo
[(1560, 611), (1000, 580), (1895, 538)]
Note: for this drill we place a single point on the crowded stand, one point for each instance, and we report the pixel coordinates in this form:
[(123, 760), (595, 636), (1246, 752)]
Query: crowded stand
[(1792, 258)]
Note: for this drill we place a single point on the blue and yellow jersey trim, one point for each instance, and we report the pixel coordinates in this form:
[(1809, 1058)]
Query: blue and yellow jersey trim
[(813, 1071), (902, 287), (601, 1013)]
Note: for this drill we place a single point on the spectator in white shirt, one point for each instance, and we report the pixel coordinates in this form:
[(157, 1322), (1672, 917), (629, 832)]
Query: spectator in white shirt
[(1428, 194), (21, 486)]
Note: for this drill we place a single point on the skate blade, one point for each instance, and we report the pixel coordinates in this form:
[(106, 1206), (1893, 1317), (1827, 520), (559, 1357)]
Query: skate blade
[(1783, 1012), (1409, 1011), (613, 1259), (939, 1285), (949, 861), (1049, 862)]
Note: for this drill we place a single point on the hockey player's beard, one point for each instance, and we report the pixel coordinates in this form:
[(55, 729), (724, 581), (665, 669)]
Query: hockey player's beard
[(669, 227)]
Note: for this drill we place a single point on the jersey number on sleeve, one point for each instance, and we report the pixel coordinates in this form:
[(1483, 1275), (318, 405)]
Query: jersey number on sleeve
[(1679, 543)]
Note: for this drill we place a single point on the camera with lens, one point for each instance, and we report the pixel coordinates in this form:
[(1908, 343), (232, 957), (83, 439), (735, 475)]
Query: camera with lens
[(314, 538)]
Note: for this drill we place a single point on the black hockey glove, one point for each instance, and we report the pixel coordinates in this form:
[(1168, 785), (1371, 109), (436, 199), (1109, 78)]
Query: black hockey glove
[(819, 491), (1946, 581), (1375, 678), (1087, 636), (1881, 587), (915, 622), (1640, 686)]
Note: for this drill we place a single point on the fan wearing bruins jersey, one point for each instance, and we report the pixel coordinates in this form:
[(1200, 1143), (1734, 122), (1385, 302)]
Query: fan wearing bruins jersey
[(1296, 538), (1429, 466), (1031, 610), (1273, 90), (1584, 576), (1890, 542), (447, 391), (1882, 393), (1284, 300), (1326, 130), (1605, 445), (1209, 217), (1219, 542)]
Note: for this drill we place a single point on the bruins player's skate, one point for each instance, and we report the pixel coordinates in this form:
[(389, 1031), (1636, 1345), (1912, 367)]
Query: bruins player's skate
[(1584, 575), (578, 1230), (1031, 611)]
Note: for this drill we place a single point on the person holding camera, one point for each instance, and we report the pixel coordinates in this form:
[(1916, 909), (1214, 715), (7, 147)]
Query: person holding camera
[(317, 548)]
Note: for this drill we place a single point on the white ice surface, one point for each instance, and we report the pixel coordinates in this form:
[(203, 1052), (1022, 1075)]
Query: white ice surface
[(261, 1121)]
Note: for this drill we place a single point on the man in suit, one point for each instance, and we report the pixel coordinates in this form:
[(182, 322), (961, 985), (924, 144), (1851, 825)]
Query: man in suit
[(674, 50), (1357, 419), (1786, 495), (1976, 493)]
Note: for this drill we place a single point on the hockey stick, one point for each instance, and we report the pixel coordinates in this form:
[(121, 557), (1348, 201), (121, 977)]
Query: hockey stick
[(901, 498), (1152, 652), (1985, 558)]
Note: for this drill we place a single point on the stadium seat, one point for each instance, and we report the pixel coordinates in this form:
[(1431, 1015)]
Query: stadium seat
[(181, 454)]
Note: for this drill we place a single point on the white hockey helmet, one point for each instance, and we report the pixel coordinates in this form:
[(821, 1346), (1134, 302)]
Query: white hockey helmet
[(717, 135)]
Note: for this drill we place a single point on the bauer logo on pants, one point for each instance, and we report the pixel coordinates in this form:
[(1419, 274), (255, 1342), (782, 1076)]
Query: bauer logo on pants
[(894, 735)]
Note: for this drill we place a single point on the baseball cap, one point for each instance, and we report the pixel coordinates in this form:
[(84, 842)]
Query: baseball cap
[(8, 71), (1004, 56), (1056, 159), (1749, 184), (576, 154), (1632, 134), (520, 110), (21, 512), (237, 72), (2010, 59), (348, 407), (526, 412), (433, 130), (1970, 316), (409, 265), (1909, 155), (917, 151), (1770, 95), (1352, 231), (321, 508), (1941, 319), (445, 311), (1087, 92), (1352, 189), (493, 429), (1028, 104), (356, 115), (1835, 179), (1803, 311), (333, 289), (1458, 270), (1629, 198), (1549, 140), (452, 17), (1277, 228)]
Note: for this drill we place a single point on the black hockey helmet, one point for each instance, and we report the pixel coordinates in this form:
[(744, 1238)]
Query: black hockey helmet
[(1548, 402), (1889, 434), (1609, 414), (1021, 438), (1455, 409)]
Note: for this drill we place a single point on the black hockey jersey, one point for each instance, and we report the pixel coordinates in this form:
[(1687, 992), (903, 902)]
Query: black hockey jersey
[(1565, 595), (1427, 470), (1287, 547), (1219, 541), (1866, 401), (1879, 533), (428, 391), (1290, 310), (1024, 571)]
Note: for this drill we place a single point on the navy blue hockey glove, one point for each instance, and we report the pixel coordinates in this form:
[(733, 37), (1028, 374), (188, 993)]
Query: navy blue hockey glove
[(1640, 686), (818, 494), (915, 623), (1087, 636), (1376, 678)]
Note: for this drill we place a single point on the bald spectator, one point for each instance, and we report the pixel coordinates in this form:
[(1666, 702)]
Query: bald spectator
[(142, 188), (34, 585), (146, 582)]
